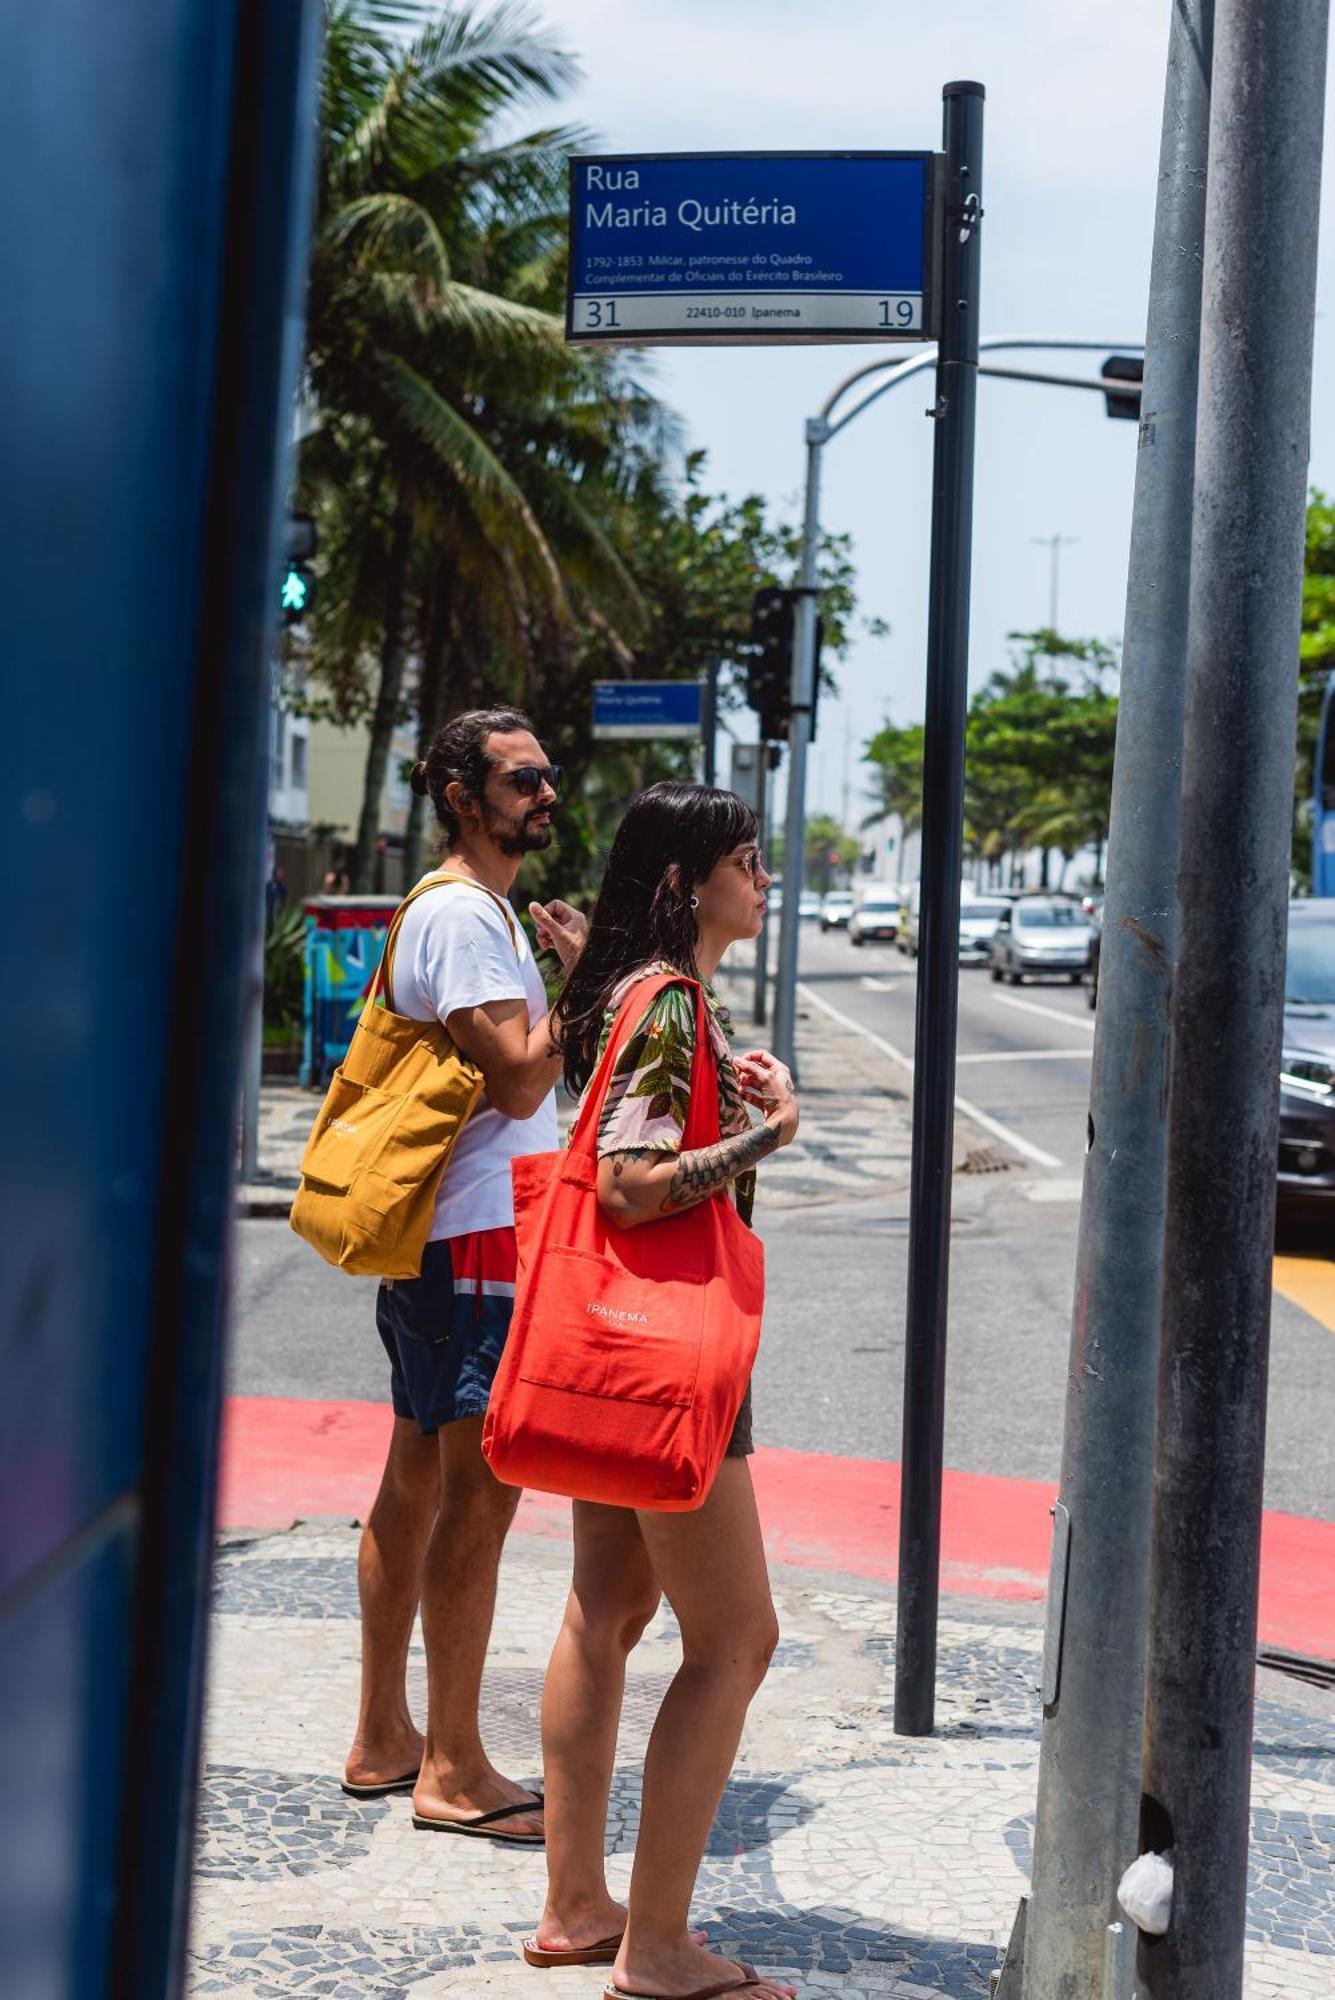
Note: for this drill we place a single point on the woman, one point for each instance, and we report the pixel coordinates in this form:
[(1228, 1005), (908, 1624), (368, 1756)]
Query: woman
[(685, 879)]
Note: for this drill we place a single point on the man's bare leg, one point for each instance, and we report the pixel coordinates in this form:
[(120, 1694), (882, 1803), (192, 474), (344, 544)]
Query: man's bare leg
[(463, 1555), (387, 1744)]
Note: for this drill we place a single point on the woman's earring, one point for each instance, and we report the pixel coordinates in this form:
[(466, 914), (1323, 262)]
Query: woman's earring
[(695, 902)]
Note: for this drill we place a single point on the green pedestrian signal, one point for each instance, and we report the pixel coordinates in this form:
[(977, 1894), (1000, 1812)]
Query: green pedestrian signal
[(297, 591)]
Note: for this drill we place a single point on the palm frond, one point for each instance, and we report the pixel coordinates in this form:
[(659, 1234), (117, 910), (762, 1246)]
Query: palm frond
[(465, 456), (391, 230)]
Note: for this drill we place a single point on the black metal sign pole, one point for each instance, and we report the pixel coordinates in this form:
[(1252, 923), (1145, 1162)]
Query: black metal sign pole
[(938, 961)]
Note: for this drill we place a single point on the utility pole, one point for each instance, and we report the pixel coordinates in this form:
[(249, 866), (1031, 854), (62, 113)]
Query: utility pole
[(1093, 1677), (1253, 433), (1054, 544), (763, 788), (938, 973), (799, 736)]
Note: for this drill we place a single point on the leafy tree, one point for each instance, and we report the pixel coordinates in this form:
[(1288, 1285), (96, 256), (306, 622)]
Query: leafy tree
[(829, 851)]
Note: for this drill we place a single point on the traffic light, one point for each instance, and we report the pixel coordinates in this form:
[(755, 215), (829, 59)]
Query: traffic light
[(769, 672), (1123, 368), (298, 587)]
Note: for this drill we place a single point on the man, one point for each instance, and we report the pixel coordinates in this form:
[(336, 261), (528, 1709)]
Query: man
[(440, 1518)]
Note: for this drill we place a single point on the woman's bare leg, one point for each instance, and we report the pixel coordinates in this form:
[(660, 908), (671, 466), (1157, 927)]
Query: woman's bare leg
[(612, 1598), (711, 1565)]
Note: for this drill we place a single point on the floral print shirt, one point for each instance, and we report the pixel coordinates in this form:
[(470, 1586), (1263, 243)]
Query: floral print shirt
[(650, 1087)]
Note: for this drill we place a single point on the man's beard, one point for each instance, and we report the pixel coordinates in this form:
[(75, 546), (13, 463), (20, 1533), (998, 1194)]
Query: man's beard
[(515, 837)]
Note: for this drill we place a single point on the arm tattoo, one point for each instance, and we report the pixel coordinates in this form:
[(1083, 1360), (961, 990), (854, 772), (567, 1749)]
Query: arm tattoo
[(701, 1174)]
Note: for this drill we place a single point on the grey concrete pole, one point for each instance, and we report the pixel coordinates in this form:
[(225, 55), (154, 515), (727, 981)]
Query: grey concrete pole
[(799, 736), (1089, 1771), (1253, 419)]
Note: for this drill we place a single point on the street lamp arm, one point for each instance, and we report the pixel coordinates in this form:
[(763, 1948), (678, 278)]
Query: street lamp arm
[(1100, 384), (897, 371)]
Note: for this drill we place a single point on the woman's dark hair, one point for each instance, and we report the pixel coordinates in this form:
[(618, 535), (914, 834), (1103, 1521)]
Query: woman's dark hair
[(458, 756), (643, 912)]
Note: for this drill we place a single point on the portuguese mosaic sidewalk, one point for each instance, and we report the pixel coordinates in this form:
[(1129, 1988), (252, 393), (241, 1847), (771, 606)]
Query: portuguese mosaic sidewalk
[(850, 1860)]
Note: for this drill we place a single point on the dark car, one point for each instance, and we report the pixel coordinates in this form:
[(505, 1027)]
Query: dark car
[(1307, 1069), (1095, 949)]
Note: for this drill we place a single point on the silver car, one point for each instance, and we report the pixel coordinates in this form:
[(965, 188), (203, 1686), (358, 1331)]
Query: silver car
[(1041, 937)]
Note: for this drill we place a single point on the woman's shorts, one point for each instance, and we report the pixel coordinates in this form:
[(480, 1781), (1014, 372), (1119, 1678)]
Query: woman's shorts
[(445, 1329)]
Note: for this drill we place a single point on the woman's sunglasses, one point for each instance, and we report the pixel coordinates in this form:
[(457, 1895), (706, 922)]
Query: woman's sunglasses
[(529, 779)]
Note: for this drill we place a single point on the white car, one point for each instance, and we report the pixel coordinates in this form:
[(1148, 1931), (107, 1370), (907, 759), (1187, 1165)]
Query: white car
[(836, 910), (877, 916), (979, 918), (808, 905)]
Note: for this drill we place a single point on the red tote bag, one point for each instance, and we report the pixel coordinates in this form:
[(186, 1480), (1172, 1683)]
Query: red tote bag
[(630, 1349)]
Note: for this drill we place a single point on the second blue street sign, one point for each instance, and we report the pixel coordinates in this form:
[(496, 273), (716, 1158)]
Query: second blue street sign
[(748, 247)]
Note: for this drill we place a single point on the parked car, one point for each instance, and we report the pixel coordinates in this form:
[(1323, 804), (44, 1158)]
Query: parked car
[(836, 910), (876, 917), (1041, 937), (979, 918), (1307, 1068), (808, 906)]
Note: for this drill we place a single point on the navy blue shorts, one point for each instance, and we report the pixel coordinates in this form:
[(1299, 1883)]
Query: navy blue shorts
[(444, 1331)]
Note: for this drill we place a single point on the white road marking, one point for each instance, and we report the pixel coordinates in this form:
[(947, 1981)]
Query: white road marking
[(1008, 1136), (870, 985), (1050, 1013), (1026, 1055)]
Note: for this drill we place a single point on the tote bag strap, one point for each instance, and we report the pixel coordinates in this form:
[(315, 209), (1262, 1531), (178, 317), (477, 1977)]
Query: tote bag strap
[(381, 986), (702, 1122)]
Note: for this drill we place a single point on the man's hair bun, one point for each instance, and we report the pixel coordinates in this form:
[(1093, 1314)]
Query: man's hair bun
[(418, 780)]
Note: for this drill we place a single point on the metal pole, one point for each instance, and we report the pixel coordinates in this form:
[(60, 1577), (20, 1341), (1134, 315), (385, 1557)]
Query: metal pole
[(1089, 1769), (709, 717), (252, 1061), (762, 942), (938, 968), (1258, 299), (799, 736)]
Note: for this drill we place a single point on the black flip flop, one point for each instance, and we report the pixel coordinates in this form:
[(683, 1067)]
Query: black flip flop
[(481, 1826), (403, 1784)]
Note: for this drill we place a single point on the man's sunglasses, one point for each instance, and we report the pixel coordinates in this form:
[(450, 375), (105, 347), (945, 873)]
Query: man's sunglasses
[(529, 779)]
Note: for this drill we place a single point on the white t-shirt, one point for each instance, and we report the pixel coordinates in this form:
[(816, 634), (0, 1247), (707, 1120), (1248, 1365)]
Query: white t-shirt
[(454, 950)]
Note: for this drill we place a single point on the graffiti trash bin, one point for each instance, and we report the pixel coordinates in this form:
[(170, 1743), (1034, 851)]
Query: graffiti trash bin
[(344, 938)]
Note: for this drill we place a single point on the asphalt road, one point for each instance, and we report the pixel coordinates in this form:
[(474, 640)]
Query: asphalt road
[(832, 1356)]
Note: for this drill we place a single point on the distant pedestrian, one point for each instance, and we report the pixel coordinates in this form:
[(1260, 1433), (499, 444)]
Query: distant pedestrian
[(440, 1518), (685, 879), (275, 894)]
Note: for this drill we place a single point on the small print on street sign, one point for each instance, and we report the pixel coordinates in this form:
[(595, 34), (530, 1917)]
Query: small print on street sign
[(646, 711), (677, 248)]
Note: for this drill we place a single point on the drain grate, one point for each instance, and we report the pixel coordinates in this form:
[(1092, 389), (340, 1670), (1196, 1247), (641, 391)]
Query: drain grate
[(986, 1160)]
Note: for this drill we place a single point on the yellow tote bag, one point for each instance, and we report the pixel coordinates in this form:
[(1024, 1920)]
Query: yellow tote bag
[(395, 1106)]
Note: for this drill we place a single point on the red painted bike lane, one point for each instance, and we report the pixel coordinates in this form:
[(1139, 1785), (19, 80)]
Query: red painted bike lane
[(287, 1460)]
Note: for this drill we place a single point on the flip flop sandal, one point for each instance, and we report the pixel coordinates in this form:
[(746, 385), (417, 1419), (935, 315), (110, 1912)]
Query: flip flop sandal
[(603, 1953), (752, 1978), (482, 1826), (403, 1784)]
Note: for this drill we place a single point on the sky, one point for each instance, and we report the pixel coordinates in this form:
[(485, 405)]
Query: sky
[(1074, 104)]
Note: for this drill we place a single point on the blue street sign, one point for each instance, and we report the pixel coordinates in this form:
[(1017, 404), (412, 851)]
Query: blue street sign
[(752, 247), (638, 711)]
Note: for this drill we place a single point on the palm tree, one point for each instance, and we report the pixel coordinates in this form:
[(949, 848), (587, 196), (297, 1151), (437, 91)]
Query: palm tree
[(458, 433)]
